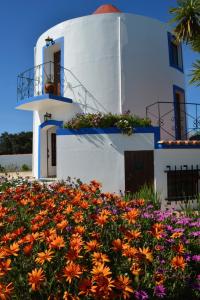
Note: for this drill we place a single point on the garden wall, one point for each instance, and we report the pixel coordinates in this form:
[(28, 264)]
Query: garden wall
[(15, 161)]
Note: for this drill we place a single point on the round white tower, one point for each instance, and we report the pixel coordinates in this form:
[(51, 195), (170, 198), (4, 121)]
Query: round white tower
[(105, 62), (115, 61)]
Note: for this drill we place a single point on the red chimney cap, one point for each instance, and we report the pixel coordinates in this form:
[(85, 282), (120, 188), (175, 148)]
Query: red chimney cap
[(106, 8)]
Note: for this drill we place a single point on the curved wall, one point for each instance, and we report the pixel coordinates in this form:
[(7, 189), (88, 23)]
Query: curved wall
[(121, 59)]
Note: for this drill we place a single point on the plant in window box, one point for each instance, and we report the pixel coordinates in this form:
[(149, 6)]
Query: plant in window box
[(49, 87)]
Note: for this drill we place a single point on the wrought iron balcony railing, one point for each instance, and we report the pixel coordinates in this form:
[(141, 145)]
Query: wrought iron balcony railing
[(177, 121), (35, 82)]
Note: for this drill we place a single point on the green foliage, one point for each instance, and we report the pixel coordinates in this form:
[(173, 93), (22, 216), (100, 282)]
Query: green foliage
[(2, 169), (195, 136), (125, 122), (25, 168), (17, 143), (187, 20), (196, 73), (187, 29), (148, 194)]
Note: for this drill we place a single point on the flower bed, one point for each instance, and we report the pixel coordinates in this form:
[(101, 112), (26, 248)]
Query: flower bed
[(125, 122), (71, 241)]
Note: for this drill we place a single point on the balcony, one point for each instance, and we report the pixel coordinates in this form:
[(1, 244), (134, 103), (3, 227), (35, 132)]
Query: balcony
[(43, 86), (177, 120)]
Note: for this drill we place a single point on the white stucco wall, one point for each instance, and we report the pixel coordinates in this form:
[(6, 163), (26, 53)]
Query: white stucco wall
[(16, 161), (98, 156)]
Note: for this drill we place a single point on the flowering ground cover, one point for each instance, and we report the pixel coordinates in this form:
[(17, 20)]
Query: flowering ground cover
[(71, 241)]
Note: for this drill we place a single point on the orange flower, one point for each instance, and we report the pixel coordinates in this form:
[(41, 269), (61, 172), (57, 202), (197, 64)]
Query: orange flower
[(179, 248), (85, 287), (176, 235), (140, 202), (73, 254), (135, 269), (131, 215), (101, 220), (76, 242), (47, 255), (6, 291), (129, 251), (98, 257), (62, 225), (5, 267), (103, 287), (27, 249), (132, 234), (84, 204), (92, 245), (122, 284), (79, 229), (157, 230), (14, 249), (159, 278), (78, 217), (178, 262), (36, 278), (117, 245), (58, 242), (72, 271), (146, 253), (100, 270), (68, 209)]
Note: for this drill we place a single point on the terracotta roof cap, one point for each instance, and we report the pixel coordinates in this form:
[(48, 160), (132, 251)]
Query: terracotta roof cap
[(180, 142), (106, 8)]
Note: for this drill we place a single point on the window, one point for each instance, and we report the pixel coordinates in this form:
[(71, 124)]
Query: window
[(180, 113), (175, 53), (182, 184)]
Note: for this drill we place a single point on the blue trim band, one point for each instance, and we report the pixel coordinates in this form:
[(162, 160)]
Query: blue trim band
[(51, 122), (45, 97), (164, 146), (65, 131), (41, 126), (171, 62)]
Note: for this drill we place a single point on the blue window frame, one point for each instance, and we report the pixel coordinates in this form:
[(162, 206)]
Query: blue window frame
[(175, 53)]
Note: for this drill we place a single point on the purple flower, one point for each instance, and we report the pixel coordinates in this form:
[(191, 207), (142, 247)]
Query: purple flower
[(169, 227), (195, 233), (196, 258), (141, 295), (183, 221), (159, 291)]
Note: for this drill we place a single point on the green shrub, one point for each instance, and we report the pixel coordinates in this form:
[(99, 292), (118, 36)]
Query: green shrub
[(2, 169), (25, 168)]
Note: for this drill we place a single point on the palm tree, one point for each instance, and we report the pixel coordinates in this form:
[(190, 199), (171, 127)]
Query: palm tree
[(187, 29)]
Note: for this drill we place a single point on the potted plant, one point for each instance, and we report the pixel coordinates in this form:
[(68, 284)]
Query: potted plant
[(49, 87)]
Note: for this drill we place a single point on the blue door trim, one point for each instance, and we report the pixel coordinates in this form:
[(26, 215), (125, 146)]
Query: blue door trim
[(41, 126)]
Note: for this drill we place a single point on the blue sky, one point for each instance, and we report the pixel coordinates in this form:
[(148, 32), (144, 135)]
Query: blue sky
[(22, 22)]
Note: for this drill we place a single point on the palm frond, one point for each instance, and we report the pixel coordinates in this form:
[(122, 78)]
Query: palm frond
[(187, 20), (195, 74)]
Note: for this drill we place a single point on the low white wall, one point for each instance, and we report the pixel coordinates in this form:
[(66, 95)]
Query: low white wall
[(172, 157), (98, 156), (16, 161)]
